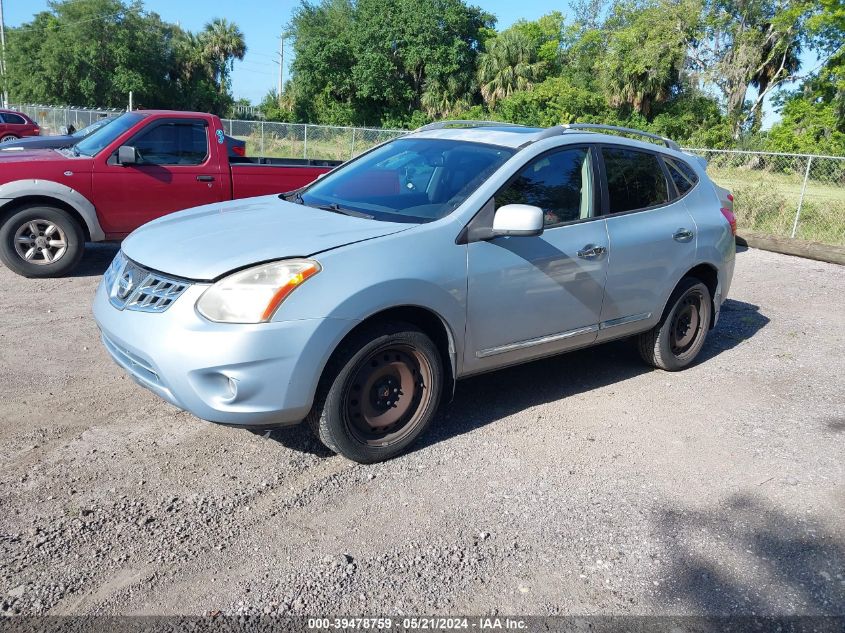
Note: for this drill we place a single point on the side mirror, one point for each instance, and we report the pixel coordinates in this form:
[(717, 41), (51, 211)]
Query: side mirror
[(521, 220), (127, 155)]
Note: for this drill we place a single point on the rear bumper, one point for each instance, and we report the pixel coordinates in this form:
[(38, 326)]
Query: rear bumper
[(244, 375)]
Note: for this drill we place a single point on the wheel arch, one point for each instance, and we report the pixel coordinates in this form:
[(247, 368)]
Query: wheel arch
[(709, 276), (47, 201), (427, 320), (14, 195)]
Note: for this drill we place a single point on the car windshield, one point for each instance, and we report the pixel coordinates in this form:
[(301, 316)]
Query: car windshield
[(407, 180), (90, 129), (95, 143)]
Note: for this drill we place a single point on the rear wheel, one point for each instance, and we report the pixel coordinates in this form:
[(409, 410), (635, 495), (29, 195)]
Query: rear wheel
[(379, 393), (678, 338), (40, 241), (8, 137)]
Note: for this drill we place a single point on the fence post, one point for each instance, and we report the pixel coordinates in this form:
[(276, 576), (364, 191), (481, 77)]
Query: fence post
[(262, 138), (352, 152), (305, 143), (801, 199)]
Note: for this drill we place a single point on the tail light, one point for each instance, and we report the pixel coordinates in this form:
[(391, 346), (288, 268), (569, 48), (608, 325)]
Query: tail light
[(731, 197), (239, 150), (731, 218)]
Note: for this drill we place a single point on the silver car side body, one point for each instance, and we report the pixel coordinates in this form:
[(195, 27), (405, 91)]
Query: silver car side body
[(501, 301)]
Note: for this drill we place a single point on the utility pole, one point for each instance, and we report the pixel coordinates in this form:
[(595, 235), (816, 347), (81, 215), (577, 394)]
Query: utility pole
[(4, 79), (281, 64)]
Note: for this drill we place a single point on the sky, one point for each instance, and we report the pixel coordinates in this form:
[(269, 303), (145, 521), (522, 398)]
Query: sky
[(262, 21)]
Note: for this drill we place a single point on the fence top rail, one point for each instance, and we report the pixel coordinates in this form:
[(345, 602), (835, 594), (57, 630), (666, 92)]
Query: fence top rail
[(757, 153)]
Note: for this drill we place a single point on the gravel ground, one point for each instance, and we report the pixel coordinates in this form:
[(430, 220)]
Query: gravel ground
[(584, 484)]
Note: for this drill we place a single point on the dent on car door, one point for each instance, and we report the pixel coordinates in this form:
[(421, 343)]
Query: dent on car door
[(531, 296), (652, 240)]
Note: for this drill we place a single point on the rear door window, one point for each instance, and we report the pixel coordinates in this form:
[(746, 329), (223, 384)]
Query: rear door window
[(635, 179), (13, 119)]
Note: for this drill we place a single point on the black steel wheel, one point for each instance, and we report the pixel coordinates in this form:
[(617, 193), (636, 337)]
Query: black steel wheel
[(675, 342), (379, 393)]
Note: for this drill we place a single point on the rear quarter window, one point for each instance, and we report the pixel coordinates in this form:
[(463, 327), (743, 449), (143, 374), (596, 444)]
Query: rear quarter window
[(635, 179), (682, 174)]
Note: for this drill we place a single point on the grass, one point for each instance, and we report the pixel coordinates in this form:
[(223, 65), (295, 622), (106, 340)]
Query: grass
[(766, 202)]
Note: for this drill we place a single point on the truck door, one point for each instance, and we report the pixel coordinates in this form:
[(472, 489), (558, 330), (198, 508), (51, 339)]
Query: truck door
[(177, 168)]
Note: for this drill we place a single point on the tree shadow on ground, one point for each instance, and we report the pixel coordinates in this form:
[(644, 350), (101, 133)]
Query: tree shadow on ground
[(490, 397), (747, 557)]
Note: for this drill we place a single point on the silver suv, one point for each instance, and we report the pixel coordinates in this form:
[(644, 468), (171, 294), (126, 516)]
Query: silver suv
[(357, 302)]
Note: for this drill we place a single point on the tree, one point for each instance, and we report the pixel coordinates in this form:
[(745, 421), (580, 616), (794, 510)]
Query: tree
[(748, 42), (384, 62), (94, 52), (641, 65), (508, 65), (222, 42)]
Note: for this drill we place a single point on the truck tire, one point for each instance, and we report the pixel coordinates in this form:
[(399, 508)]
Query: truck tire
[(379, 392), (41, 241), (675, 342)]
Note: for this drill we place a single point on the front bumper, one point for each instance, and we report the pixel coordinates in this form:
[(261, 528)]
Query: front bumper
[(246, 375)]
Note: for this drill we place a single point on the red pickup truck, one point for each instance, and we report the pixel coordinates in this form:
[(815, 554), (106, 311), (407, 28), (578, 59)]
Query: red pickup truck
[(141, 166)]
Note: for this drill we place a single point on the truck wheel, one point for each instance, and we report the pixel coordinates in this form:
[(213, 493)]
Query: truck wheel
[(378, 393), (39, 241), (675, 342)]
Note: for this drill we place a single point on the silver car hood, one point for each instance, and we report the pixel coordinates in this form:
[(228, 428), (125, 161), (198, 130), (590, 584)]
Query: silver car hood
[(206, 242)]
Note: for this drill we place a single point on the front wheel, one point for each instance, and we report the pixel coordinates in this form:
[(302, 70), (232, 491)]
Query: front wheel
[(675, 342), (40, 241), (379, 393)]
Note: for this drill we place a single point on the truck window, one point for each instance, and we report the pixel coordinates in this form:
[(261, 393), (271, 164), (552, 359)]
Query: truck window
[(172, 143)]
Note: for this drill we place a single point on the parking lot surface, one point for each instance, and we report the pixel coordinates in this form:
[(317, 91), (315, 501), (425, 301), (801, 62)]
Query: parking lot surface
[(582, 484)]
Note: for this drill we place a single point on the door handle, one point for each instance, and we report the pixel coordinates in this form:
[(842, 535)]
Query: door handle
[(205, 178), (683, 235), (591, 251)]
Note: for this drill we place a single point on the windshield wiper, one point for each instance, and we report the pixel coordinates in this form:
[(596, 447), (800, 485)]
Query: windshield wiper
[(336, 208)]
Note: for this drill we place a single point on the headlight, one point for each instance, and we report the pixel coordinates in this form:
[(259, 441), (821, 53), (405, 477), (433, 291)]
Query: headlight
[(254, 294)]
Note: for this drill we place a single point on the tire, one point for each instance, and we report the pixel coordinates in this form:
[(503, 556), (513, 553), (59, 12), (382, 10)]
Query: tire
[(675, 342), (26, 234), (379, 392), (8, 137)]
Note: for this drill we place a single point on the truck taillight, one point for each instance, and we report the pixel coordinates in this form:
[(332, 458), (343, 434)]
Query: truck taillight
[(239, 150), (731, 218)]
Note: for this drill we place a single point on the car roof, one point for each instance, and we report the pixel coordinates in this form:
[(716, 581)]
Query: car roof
[(518, 136)]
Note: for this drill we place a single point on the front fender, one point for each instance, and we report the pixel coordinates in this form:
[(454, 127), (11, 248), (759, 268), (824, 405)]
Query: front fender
[(15, 190)]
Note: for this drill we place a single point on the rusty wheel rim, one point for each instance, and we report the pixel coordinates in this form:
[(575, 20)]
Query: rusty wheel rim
[(388, 395), (686, 323)]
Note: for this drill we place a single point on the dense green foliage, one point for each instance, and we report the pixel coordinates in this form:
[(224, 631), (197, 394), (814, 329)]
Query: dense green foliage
[(94, 52), (696, 70)]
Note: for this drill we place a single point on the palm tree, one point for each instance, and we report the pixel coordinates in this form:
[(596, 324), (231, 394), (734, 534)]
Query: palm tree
[(508, 65), (222, 43)]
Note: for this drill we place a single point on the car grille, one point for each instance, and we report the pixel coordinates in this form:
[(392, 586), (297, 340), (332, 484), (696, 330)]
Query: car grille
[(133, 287)]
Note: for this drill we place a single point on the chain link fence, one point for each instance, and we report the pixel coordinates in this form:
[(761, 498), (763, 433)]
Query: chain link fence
[(786, 195), (53, 120), (298, 140)]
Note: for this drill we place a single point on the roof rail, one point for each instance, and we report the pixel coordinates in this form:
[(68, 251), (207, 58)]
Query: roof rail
[(595, 127), (439, 125)]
